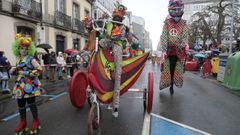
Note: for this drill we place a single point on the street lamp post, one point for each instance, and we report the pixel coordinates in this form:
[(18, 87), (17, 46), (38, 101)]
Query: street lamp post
[(231, 33)]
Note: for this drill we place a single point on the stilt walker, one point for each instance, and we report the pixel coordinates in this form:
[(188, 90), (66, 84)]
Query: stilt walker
[(118, 34), (174, 42), (27, 85)]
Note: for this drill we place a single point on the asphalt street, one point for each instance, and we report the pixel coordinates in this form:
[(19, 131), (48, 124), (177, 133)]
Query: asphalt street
[(203, 104)]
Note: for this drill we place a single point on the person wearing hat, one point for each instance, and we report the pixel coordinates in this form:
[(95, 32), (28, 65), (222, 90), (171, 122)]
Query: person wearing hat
[(117, 33), (27, 86), (174, 41)]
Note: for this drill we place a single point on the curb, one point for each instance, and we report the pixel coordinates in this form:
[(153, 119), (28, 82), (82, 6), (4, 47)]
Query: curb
[(6, 96)]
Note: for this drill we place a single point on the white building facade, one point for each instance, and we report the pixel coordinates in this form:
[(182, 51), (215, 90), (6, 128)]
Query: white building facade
[(55, 22), (138, 25), (147, 41), (103, 6), (15, 17)]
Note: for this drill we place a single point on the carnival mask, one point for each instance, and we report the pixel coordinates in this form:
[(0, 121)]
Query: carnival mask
[(176, 19), (175, 9), (119, 11)]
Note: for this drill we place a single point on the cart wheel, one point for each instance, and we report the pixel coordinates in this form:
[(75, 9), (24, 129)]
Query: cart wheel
[(77, 89), (93, 121), (150, 92)]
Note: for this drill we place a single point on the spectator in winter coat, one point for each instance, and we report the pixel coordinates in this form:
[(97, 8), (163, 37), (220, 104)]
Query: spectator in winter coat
[(5, 66), (52, 67), (61, 63), (46, 58)]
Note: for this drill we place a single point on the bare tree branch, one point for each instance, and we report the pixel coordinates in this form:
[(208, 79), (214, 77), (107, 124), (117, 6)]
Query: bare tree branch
[(214, 22)]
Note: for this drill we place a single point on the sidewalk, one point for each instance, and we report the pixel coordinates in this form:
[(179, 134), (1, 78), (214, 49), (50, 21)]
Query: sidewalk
[(45, 84), (214, 80)]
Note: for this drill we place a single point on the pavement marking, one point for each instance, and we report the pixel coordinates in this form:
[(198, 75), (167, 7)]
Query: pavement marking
[(53, 97), (46, 95), (175, 127), (59, 95), (132, 97), (12, 116), (146, 124), (135, 90)]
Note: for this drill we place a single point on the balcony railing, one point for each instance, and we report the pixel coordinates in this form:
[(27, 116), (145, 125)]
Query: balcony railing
[(5, 6), (27, 9), (62, 20), (77, 25), (48, 19)]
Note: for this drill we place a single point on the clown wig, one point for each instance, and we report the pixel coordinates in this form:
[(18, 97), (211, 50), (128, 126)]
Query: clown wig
[(23, 42)]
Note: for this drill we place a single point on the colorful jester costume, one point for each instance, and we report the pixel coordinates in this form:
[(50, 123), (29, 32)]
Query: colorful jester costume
[(174, 40), (117, 33), (27, 85)]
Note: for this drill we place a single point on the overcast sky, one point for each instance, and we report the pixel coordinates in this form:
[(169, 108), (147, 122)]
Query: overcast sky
[(153, 11)]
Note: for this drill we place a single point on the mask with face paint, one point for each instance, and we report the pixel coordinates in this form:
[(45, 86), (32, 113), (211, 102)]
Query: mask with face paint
[(23, 51), (176, 19), (175, 9), (119, 12)]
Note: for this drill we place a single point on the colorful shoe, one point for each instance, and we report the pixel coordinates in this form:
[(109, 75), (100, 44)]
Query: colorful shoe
[(35, 126), (21, 128)]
